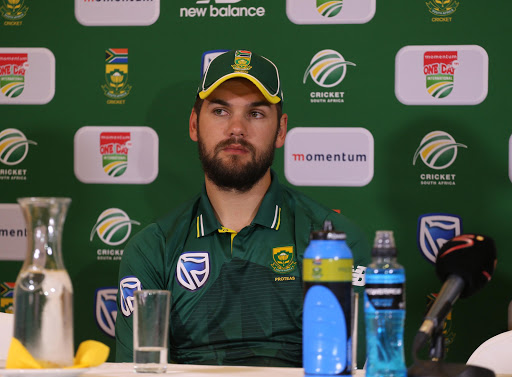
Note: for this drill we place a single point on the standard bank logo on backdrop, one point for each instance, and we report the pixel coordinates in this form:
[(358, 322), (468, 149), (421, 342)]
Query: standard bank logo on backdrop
[(13, 233), (222, 8), (27, 76), (105, 309), (13, 11), (328, 156), (319, 12), (441, 75), (438, 151), (117, 13), (327, 69), (434, 230), (14, 148), (123, 155), (113, 228)]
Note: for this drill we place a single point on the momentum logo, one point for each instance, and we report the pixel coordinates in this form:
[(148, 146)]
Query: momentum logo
[(220, 9), (329, 156), (13, 233)]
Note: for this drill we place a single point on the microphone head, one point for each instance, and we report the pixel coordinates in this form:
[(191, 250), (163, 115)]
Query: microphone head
[(470, 256)]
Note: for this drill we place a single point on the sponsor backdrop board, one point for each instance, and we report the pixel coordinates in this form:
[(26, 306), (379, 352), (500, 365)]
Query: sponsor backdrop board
[(410, 104)]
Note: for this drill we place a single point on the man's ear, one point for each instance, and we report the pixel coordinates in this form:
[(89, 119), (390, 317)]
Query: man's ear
[(281, 132), (192, 125)]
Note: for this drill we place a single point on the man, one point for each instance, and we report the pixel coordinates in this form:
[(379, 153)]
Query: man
[(232, 257)]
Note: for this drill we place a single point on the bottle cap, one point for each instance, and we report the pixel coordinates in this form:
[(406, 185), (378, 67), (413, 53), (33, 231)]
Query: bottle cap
[(384, 244), (328, 233)]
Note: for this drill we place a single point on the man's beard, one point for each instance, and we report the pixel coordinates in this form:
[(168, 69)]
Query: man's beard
[(233, 175)]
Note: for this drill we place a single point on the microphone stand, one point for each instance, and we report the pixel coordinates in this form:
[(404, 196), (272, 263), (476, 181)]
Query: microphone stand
[(436, 367)]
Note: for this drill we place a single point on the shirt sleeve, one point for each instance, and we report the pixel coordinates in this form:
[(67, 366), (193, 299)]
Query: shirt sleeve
[(141, 267)]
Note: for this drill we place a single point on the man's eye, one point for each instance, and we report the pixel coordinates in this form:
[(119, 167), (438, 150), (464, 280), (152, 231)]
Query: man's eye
[(256, 114), (219, 111)]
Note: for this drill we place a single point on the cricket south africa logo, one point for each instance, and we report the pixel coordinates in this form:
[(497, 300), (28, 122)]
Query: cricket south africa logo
[(193, 269), (329, 8), (116, 75), (438, 150), (439, 69), (113, 227), (327, 69), (13, 68), (114, 148), (13, 146), (242, 61), (13, 11)]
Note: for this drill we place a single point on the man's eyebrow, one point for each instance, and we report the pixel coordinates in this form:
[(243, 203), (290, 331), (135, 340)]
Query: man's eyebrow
[(218, 101), (260, 103)]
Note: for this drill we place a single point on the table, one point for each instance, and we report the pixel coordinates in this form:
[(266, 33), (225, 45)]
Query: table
[(186, 370)]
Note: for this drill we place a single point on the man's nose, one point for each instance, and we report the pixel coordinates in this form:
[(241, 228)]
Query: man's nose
[(238, 126)]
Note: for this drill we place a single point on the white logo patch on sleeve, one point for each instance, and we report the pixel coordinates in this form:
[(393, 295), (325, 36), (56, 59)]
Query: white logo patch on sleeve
[(127, 287)]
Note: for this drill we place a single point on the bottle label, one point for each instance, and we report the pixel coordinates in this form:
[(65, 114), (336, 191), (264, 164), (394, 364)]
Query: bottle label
[(384, 296), (325, 270)]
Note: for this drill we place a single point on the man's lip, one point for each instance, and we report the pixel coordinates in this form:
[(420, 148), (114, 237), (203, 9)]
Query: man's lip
[(236, 147)]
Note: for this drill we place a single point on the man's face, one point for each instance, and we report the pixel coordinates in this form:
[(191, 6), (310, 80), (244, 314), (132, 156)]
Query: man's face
[(237, 132)]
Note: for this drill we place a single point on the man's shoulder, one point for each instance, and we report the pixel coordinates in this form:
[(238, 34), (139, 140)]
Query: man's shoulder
[(300, 202)]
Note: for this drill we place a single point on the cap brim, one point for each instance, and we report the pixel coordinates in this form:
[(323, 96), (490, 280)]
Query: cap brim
[(270, 98)]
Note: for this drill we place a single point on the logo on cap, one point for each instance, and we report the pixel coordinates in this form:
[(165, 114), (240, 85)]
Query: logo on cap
[(242, 61)]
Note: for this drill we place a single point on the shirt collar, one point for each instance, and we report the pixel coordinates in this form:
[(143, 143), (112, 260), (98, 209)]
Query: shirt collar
[(269, 213)]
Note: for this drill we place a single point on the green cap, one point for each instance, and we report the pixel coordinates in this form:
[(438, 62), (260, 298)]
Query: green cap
[(246, 64)]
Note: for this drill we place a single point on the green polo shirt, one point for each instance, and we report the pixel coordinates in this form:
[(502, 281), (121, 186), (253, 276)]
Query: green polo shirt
[(236, 298)]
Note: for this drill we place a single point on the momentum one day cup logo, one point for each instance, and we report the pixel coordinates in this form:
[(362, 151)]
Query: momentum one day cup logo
[(317, 12), (114, 152), (439, 69), (21, 84), (113, 227), (116, 155), (453, 75), (12, 74), (13, 146)]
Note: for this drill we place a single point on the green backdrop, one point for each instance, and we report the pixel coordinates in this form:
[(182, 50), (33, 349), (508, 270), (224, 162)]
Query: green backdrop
[(164, 71)]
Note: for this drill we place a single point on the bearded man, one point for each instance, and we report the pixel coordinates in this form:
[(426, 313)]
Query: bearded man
[(232, 256)]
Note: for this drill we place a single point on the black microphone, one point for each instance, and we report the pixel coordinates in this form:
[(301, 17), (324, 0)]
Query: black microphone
[(465, 264)]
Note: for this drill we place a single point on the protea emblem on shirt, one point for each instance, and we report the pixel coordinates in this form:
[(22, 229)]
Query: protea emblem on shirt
[(193, 269), (283, 259)]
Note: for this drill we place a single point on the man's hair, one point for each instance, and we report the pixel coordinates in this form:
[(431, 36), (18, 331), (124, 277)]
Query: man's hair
[(199, 103)]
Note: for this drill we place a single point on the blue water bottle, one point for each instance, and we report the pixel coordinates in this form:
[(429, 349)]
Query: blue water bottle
[(327, 316), (385, 310)]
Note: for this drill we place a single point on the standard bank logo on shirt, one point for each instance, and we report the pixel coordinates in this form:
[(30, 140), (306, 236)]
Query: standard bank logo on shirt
[(105, 309), (193, 269), (434, 230), (127, 287)]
